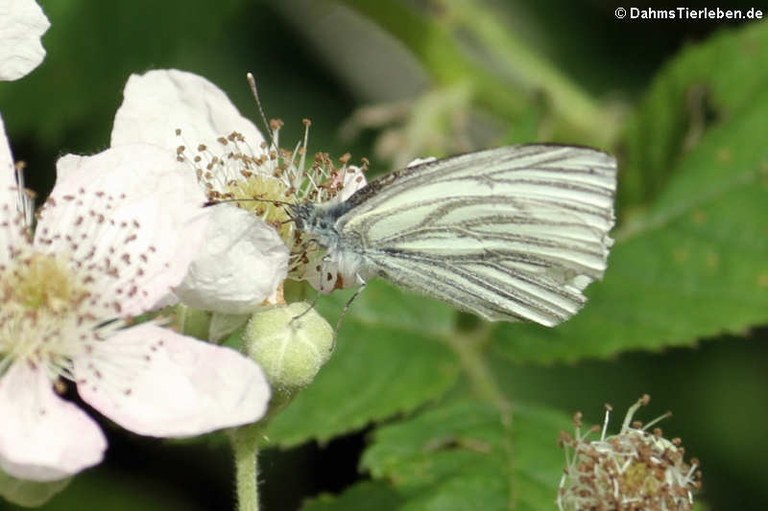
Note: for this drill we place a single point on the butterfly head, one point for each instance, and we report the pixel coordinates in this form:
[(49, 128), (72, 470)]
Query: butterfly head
[(318, 221)]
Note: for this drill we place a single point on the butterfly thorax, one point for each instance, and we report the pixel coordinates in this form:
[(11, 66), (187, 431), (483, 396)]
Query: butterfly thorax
[(342, 263), (319, 222)]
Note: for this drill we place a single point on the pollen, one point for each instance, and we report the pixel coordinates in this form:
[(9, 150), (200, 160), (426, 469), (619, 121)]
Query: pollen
[(45, 315), (265, 196), (43, 282)]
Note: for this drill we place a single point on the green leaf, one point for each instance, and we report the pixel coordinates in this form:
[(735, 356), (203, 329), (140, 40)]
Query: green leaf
[(366, 495), (687, 99), (503, 70), (88, 78), (387, 361), (694, 264), (469, 455), (98, 489), (380, 303)]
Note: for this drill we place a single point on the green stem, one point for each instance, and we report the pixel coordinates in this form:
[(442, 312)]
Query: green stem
[(193, 322), (245, 445), (472, 358), (518, 69), (531, 70), (245, 442), (439, 52)]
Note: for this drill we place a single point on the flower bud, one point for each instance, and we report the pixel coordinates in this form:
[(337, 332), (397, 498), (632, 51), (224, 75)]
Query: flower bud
[(290, 342)]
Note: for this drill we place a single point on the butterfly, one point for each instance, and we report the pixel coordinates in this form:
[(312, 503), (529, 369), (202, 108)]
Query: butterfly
[(513, 233)]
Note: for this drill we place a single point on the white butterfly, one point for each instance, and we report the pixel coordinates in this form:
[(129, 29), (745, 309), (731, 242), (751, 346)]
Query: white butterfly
[(510, 233)]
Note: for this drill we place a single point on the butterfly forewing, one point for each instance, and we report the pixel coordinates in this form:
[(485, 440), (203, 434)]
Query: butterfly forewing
[(510, 233)]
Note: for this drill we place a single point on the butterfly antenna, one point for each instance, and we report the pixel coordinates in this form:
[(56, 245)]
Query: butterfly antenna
[(255, 91), (214, 202)]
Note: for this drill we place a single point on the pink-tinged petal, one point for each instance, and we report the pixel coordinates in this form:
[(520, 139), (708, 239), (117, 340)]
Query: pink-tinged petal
[(134, 214), (43, 437), (158, 103), (7, 171), (22, 24), (153, 381), (242, 263), (10, 217)]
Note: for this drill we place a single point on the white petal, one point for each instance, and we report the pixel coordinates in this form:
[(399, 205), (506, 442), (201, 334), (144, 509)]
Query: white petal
[(354, 180), (419, 161), (242, 263), (9, 228), (43, 437), (156, 382), (158, 103), (137, 208), (7, 171), (22, 24)]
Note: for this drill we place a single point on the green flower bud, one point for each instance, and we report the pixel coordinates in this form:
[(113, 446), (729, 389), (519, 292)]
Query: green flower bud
[(291, 343)]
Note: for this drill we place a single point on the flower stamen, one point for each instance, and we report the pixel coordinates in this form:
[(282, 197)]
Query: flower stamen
[(632, 471), (269, 181)]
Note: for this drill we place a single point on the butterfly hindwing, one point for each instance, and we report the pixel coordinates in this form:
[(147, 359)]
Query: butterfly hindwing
[(510, 233)]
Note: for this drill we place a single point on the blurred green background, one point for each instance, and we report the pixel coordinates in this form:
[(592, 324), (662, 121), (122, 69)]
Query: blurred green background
[(325, 61)]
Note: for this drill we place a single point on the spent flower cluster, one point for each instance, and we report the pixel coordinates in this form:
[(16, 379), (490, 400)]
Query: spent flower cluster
[(634, 470)]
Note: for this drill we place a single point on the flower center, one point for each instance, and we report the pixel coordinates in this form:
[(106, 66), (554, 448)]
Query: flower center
[(43, 283), (639, 480), (635, 469), (269, 179), (44, 315), (266, 196)]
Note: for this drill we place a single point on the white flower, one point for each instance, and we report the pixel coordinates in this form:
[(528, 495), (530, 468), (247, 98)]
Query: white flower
[(247, 257), (22, 24), (244, 260), (116, 234)]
